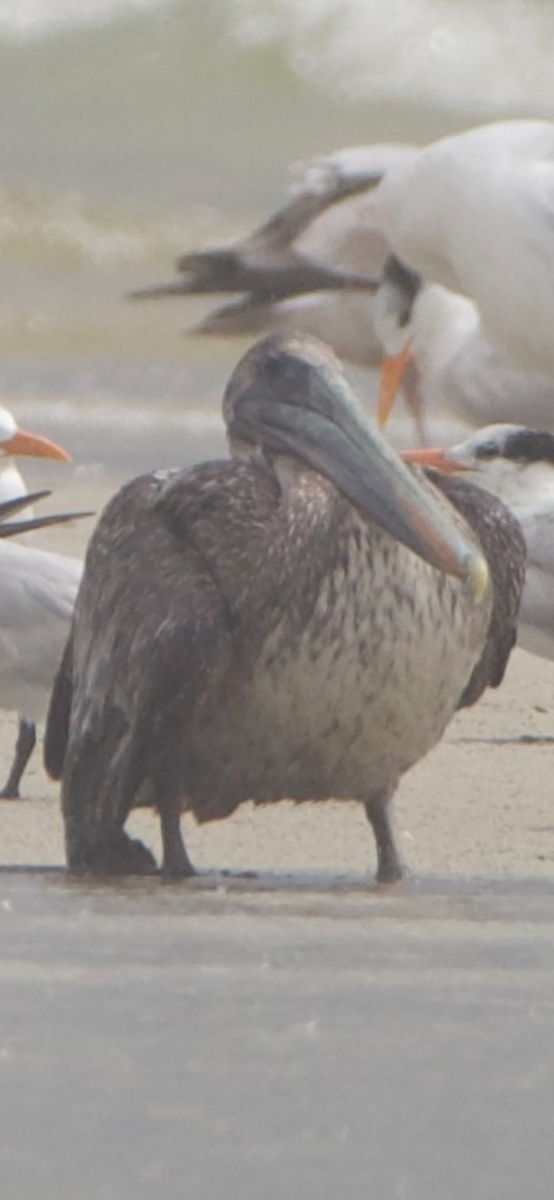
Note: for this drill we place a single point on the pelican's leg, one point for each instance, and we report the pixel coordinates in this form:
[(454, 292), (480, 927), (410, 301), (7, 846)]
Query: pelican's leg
[(26, 742), (389, 865), (176, 862)]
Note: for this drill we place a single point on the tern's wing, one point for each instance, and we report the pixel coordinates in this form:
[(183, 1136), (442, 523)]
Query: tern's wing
[(536, 621)]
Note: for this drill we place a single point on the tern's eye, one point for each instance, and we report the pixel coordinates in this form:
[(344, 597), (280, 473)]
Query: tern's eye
[(489, 450)]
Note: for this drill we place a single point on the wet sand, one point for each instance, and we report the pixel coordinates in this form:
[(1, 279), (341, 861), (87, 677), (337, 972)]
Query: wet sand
[(295, 1032)]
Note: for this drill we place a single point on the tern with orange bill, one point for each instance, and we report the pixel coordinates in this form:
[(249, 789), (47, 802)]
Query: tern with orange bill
[(301, 620), (37, 594), (460, 374), (16, 442), (517, 464), (474, 212)]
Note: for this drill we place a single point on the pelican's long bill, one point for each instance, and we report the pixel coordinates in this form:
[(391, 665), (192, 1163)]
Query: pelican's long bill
[(316, 418)]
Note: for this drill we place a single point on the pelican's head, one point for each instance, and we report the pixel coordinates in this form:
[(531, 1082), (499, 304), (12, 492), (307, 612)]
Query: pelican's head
[(288, 396)]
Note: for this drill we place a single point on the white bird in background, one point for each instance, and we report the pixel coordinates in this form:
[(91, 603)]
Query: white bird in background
[(38, 590), (311, 268), (18, 442), (37, 594), (475, 213), (460, 373), (516, 464)]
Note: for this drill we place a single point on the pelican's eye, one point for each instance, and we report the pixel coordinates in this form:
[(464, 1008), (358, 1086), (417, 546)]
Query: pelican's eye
[(275, 366)]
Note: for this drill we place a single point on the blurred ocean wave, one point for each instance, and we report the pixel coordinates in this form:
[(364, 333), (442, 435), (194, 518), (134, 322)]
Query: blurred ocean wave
[(136, 129), (461, 52), (70, 232), (39, 18)]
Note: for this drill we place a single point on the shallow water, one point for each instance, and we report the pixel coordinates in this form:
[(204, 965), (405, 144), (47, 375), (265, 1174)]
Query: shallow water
[(281, 1037)]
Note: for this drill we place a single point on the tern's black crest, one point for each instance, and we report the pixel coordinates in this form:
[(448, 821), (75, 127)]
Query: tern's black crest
[(249, 629), (408, 284), (522, 445)]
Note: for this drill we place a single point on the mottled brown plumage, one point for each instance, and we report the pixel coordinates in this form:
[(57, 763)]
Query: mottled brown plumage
[(245, 630), (502, 541)]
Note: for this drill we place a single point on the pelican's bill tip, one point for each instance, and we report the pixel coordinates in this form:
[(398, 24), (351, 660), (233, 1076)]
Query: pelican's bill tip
[(479, 575)]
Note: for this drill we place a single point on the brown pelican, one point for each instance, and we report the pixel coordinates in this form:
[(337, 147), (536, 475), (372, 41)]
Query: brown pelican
[(275, 625), (516, 464)]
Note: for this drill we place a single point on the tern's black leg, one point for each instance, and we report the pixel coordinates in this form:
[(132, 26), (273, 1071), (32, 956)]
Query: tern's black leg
[(176, 862), (26, 742), (389, 865)]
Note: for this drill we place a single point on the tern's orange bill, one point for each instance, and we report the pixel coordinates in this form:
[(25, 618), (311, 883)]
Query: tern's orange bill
[(34, 446), (435, 458), (393, 369)]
